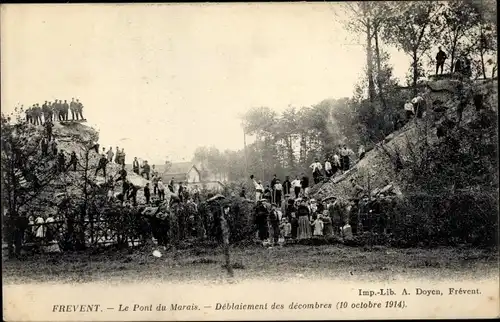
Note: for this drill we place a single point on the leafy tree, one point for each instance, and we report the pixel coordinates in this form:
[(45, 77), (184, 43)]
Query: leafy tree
[(25, 172), (411, 27), (455, 23)]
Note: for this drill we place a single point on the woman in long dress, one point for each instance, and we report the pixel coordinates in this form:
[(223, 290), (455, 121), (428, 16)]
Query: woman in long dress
[(40, 227), (304, 231)]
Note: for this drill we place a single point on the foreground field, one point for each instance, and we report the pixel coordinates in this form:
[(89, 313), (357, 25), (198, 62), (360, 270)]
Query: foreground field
[(296, 262)]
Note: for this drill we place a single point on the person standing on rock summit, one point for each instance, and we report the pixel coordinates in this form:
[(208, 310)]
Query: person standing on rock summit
[(65, 108), (440, 59), (79, 109), (72, 107)]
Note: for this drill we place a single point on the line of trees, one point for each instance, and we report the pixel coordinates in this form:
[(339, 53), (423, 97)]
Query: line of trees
[(286, 143)]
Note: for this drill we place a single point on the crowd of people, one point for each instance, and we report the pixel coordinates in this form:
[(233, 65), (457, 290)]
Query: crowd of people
[(277, 190), (54, 111)]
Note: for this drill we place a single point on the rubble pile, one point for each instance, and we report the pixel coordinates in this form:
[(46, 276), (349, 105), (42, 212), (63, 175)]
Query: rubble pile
[(376, 170), (79, 138)]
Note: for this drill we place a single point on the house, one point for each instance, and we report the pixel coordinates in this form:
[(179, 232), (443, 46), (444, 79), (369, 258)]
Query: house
[(181, 172), (188, 173)]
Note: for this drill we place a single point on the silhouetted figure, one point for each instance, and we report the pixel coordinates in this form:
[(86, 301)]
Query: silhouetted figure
[(73, 161), (65, 110), (79, 109), (61, 162), (478, 101), (146, 169), (147, 193), (28, 115), (45, 112), (53, 147), (135, 166), (48, 129), (44, 144), (122, 174), (103, 161), (458, 66), (72, 107), (440, 59)]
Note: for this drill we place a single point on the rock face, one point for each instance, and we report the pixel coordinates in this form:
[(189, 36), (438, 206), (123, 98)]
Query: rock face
[(376, 169)]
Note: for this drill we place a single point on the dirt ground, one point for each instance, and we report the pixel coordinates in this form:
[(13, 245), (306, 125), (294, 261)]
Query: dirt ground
[(277, 263)]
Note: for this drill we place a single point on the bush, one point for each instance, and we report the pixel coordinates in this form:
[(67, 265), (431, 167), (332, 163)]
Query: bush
[(429, 220)]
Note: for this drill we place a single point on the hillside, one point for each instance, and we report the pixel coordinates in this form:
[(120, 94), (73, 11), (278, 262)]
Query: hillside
[(376, 170)]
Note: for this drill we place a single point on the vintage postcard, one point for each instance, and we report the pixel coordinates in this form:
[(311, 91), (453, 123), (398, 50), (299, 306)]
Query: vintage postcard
[(249, 161)]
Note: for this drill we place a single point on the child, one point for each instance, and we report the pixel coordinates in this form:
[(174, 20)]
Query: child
[(318, 226), (327, 224), (287, 229)]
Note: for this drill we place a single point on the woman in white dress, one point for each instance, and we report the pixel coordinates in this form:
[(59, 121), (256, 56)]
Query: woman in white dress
[(40, 228)]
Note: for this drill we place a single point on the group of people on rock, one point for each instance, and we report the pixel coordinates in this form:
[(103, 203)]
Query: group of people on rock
[(276, 190), (339, 161), (462, 64), (54, 111)]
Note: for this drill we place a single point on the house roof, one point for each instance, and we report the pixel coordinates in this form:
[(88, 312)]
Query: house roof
[(178, 168)]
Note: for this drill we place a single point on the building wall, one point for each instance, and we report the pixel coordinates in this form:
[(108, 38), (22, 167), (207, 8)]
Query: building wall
[(193, 176)]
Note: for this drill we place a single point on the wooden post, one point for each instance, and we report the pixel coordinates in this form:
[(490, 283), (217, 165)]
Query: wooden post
[(225, 243)]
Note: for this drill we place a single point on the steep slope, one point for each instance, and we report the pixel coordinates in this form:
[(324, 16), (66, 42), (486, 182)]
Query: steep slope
[(376, 169)]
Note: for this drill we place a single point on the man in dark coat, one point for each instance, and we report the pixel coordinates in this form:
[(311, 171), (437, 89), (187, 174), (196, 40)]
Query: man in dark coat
[(147, 193), (44, 144), (48, 129), (273, 182), (65, 109), (287, 186), (53, 147), (73, 161), (261, 214), (440, 59), (73, 108), (103, 161), (79, 109), (146, 169), (135, 166), (61, 162)]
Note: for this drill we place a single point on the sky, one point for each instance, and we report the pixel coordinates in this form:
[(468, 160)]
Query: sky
[(161, 80)]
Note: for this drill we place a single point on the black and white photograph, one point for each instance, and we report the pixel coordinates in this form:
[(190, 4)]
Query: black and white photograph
[(235, 161)]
